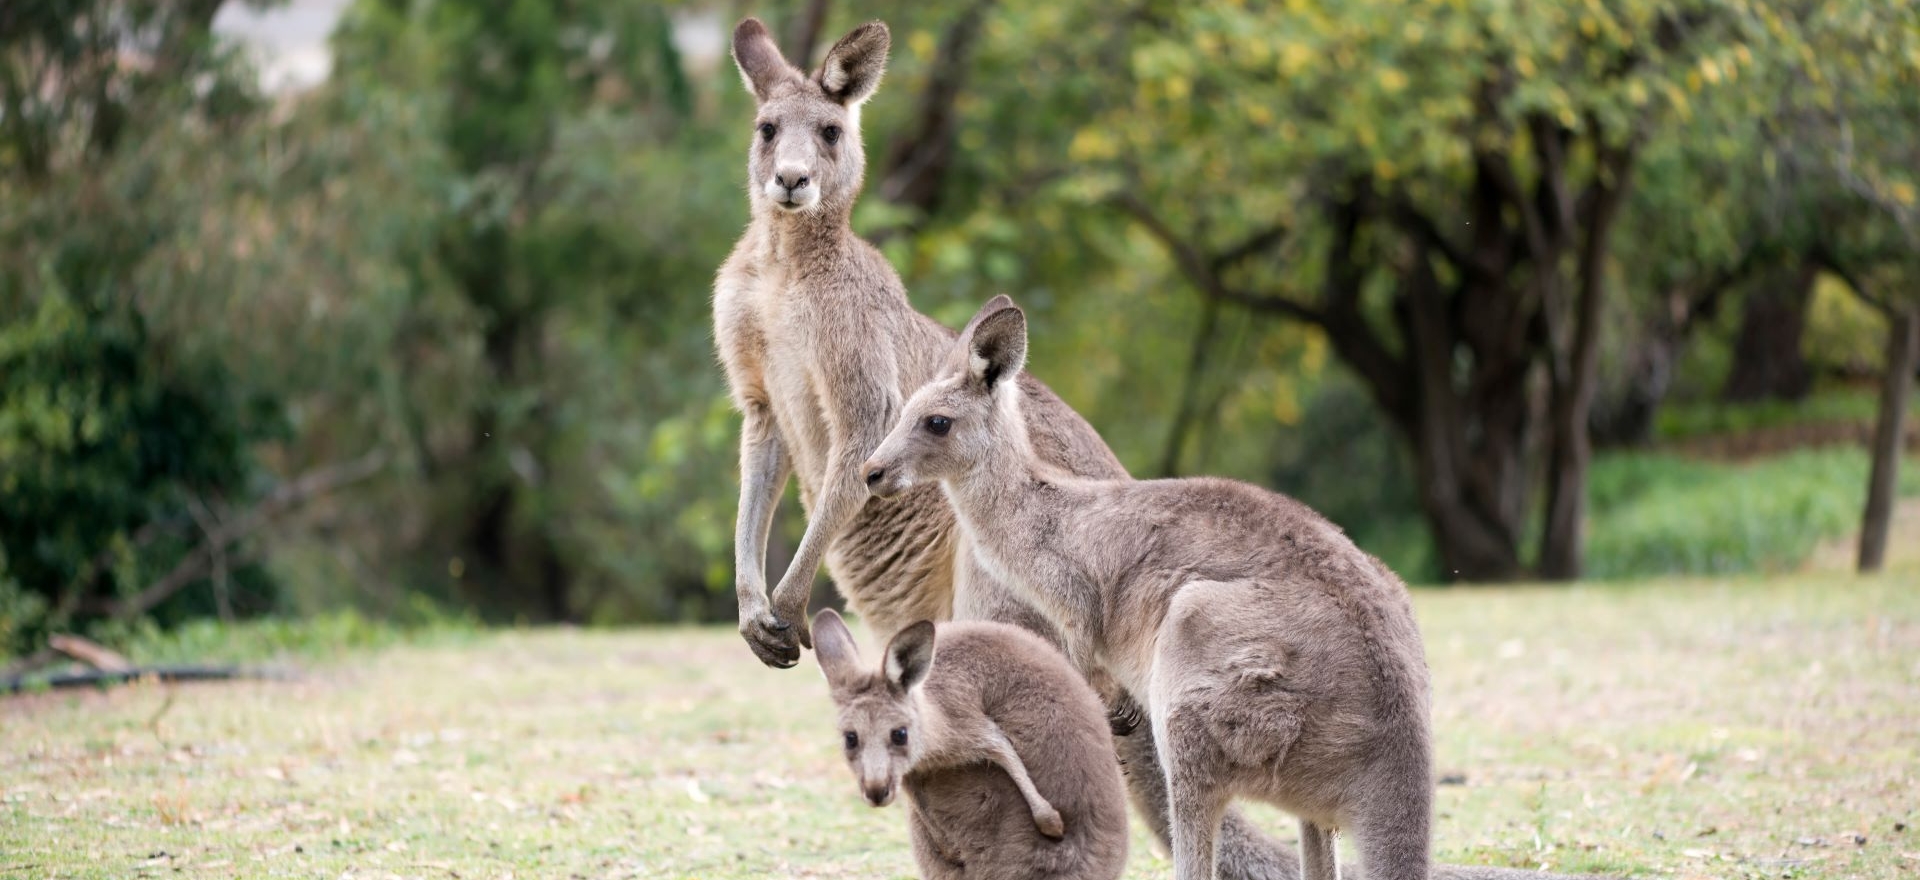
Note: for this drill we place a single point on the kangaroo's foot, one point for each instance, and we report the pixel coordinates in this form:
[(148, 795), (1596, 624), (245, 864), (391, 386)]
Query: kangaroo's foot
[(1047, 819)]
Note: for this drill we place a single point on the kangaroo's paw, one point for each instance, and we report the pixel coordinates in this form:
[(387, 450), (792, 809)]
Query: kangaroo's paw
[(772, 640)]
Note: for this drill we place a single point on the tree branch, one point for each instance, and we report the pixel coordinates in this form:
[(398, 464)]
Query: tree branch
[(196, 564), (1827, 259), (1199, 268), (1252, 246)]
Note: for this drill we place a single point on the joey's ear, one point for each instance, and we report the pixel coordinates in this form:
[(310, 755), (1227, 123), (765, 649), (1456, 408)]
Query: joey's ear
[(999, 301), (759, 59), (910, 655), (853, 66), (997, 346), (833, 646)]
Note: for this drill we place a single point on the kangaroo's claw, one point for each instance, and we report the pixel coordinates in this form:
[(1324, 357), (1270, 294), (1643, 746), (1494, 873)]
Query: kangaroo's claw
[(772, 640), (1125, 716)]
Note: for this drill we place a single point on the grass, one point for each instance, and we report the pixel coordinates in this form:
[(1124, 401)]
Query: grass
[(1704, 728)]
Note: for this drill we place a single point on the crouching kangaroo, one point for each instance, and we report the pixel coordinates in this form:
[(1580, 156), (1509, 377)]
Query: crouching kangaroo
[(970, 694), (1275, 659)]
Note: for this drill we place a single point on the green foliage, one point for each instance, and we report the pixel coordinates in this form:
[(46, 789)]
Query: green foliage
[(1844, 335), (116, 429), (1659, 514), (97, 444)]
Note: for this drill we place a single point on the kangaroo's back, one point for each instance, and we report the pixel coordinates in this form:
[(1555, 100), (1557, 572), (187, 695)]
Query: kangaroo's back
[(1059, 728)]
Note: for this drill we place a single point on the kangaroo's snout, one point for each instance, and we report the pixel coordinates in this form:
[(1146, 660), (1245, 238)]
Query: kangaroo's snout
[(882, 480), (879, 795), (792, 188)]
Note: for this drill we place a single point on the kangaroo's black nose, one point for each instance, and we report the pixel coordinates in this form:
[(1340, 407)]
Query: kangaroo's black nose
[(875, 475), (877, 795), (791, 183)]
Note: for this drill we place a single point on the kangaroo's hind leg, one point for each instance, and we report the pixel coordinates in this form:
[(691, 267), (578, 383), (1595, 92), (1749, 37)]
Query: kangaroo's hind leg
[(1318, 860), (1196, 805), (1392, 824)]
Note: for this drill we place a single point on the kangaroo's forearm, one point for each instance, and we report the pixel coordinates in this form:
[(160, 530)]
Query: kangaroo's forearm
[(764, 470), (839, 501)]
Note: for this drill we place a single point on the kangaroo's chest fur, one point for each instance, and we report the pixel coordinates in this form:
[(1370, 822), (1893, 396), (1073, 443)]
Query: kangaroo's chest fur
[(793, 324)]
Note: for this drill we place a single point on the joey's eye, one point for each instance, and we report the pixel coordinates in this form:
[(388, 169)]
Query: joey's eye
[(853, 740), (831, 133), (939, 425), (766, 131), (899, 736)]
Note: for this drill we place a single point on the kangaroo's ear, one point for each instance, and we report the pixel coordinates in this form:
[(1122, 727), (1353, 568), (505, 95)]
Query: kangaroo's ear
[(833, 646), (910, 655), (999, 301), (854, 65), (759, 59), (997, 345)]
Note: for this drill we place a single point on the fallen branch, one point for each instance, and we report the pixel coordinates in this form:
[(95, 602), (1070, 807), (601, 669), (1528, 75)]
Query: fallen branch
[(90, 652), (212, 552)]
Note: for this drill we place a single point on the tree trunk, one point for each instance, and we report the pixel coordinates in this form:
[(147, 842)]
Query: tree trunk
[(803, 33), (1903, 351), (1563, 542), (916, 168), (1189, 406), (1767, 362)]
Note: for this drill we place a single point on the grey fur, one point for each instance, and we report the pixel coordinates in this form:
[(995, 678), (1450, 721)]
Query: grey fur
[(976, 694), (1274, 659)]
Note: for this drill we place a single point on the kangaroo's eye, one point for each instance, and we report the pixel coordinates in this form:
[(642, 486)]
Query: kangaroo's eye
[(766, 131), (899, 736), (939, 425), (831, 133), (853, 740)]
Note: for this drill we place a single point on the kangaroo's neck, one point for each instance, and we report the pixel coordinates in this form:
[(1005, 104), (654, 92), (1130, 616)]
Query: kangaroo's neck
[(933, 737), (1004, 491), (807, 236)]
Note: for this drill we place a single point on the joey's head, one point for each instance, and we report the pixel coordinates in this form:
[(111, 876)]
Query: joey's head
[(879, 718), (805, 154), (967, 414)]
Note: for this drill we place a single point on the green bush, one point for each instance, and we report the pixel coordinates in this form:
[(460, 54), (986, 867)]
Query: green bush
[(1655, 514), (105, 435), (1680, 420)]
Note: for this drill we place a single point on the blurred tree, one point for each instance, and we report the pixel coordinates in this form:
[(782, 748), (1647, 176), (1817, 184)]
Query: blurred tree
[(567, 131), (1846, 105), (1448, 226), (120, 440)]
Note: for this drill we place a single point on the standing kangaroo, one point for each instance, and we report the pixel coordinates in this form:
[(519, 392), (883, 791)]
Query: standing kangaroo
[(982, 694), (821, 348), (1276, 659)]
